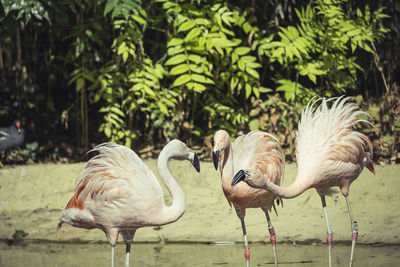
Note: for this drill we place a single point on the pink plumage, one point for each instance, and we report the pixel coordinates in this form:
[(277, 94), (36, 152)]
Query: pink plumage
[(118, 193), (330, 152), (327, 146), (258, 152)]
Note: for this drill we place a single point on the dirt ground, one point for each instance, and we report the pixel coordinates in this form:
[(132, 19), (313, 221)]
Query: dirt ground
[(33, 196)]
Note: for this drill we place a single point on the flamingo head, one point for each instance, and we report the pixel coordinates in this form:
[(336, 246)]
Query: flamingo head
[(239, 176), (221, 142), (194, 159), (367, 162), (249, 176), (183, 152), (216, 158)]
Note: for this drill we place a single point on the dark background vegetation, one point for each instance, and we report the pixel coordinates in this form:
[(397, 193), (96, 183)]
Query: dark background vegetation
[(80, 72)]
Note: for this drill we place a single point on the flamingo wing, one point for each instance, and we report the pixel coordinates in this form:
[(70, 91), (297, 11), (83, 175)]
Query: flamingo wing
[(328, 134), (259, 150), (114, 176)]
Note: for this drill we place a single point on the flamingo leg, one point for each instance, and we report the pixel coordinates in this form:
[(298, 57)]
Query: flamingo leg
[(112, 256), (354, 230), (272, 237), (329, 231), (246, 244), (128, 238), (127, 254)]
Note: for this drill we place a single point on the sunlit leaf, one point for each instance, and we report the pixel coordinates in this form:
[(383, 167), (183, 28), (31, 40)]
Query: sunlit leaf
[(248, 90), (234, 82), (175, 42), (181, 80), (139, 19), (175, 60), (241, 64), (162, 107), (187, 25), (253, 72), (117, 111), (182, 68), (197, 87), (313, 78), (192, 34), (242, 50)]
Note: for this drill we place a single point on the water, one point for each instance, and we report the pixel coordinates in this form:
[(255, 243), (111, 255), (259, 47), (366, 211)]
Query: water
[(193, 255)]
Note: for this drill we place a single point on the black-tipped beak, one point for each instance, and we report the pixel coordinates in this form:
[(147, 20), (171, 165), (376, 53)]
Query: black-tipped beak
[(216, 159), (196, 162), (239, 176)]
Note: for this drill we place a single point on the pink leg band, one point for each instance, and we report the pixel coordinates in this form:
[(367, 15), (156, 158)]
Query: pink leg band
[(329, 239), (247, 254), (354, 236), (273, 239)]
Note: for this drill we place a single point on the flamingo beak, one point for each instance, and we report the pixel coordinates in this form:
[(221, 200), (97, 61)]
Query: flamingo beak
[(239, 176), (216, 159), (196, 162), (370, 166)]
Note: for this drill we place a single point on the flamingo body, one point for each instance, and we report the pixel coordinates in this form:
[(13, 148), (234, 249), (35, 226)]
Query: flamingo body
[(329, 152), (119, 193), (257, 151)]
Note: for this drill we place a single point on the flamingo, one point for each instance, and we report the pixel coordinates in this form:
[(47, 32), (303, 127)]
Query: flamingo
[(260, 152), (118, 193), (329, 153)]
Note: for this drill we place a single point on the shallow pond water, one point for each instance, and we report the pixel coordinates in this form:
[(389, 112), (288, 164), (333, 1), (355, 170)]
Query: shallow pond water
[(193, 255)]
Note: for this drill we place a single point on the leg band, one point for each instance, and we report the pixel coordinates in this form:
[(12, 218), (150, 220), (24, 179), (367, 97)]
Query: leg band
[(247, 254), (329, 239), (273, 239)]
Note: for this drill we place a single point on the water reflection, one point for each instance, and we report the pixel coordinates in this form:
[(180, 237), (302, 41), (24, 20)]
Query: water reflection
[(192, 255)]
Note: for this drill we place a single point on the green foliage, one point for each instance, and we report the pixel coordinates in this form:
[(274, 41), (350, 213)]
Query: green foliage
[(162, 69), (25, 10), (207, 61), (321, 47)]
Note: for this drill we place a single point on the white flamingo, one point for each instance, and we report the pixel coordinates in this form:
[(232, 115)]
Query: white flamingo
[(118, 193)]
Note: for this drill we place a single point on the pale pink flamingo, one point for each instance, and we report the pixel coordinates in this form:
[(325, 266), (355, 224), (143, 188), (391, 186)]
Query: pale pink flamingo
[(329, 153), (260, 152), (118, 193)]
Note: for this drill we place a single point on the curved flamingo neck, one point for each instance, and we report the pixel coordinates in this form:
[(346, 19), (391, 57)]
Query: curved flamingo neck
[(227, 162), (293, 190), (170, 213)]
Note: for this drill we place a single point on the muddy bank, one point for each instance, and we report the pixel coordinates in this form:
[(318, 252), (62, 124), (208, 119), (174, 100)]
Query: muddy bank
[(32, 197)]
